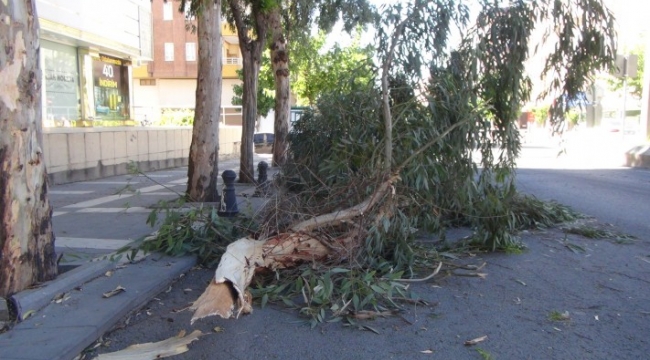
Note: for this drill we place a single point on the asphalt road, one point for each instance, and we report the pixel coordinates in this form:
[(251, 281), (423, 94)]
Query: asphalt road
[(595, 186), (601, 286)]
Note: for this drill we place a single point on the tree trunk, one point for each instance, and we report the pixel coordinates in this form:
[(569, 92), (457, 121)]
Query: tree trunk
[(249, 112), (26, 238), (280, 67), (202, 172)]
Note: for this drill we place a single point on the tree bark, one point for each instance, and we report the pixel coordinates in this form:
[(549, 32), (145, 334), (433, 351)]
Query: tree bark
[(280, 67), (202, 171), (249, 115), (251, 50), (26, 238), (226, 295)]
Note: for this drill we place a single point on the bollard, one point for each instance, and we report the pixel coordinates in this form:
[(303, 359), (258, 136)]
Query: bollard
[(262, 179), (262, 169), (228, 196)]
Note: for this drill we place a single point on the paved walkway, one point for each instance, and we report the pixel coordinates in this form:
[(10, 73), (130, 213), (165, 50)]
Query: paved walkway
[(92, 219)]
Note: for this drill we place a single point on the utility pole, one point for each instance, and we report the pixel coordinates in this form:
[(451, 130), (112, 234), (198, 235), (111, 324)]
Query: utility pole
[(627, 67)]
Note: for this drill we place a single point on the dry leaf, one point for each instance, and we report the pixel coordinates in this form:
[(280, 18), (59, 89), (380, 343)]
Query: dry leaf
[(114, 292), (429, 351), (218, 329), (151, 351), (369, 328), (109, 273), (475, 341)]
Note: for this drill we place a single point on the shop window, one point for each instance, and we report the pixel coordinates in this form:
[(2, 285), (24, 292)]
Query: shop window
[(169, 51), (190, 51), (168, 11), (61, 83), (111, 90)]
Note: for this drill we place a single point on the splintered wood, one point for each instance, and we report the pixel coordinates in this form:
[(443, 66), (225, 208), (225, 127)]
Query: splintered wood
[(226, 295)]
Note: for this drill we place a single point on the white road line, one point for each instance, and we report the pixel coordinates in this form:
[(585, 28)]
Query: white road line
[(155, 176), (179, 181), (161, 193), (57, 213), (134, 209), (86, 243), (69, 192), (150, 188), (105, 182), (98, 201)]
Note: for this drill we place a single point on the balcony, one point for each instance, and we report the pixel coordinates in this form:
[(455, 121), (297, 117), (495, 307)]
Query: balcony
[(230, 67)]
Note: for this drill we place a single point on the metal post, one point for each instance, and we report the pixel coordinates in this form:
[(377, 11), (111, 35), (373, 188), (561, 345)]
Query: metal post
[(228, 196)]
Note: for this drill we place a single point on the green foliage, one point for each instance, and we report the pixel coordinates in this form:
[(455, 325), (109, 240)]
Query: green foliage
[(594, 232), (328, 294), (315, 72), (558, 316), (585, 41), (470, 100), (635, 84), (188, 229), (532, 213), (541, 114), (175, 117), (484, 354)]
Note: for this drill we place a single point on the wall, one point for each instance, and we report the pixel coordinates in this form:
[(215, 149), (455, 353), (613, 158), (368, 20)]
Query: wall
[(78, 154), (119, 25)]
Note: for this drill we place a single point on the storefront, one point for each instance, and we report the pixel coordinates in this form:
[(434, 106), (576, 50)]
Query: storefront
[(84, 88), (61, 105), (111, 88)]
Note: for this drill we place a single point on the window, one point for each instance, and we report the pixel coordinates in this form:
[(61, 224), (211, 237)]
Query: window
[(168, 13), (169, 51), (147, 82), (190, 51)]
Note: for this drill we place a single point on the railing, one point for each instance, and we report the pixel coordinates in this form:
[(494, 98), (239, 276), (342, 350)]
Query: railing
[(232, 61)]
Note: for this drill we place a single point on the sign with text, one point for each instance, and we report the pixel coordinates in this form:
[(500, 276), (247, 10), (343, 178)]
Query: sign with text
[(110, 77)]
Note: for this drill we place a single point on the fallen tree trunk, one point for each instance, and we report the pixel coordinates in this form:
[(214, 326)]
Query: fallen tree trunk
[(226, 295)]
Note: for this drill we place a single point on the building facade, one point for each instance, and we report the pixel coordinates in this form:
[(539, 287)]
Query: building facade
[(88, 49), (166, 86)]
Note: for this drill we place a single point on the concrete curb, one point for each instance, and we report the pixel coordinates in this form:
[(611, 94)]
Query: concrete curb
[(638, 156), (63, 330), (36, 299)]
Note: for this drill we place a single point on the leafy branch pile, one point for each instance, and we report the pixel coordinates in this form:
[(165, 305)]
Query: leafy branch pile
[(376, 163)]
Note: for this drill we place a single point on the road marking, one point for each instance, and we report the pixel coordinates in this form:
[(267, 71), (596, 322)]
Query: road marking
[(155, 176), (134, 209), (105, 182), (162, 193), (179, 181), (57, 213), (98, 201), (69, 192), (150, 188), (86, 243)]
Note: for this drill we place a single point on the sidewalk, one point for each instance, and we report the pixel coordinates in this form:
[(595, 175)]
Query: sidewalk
[(91, 220)]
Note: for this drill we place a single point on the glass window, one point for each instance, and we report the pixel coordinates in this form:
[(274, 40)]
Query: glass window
[(190, 51), (61, 83), (167, 11), (169, 51), (111, 90)]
